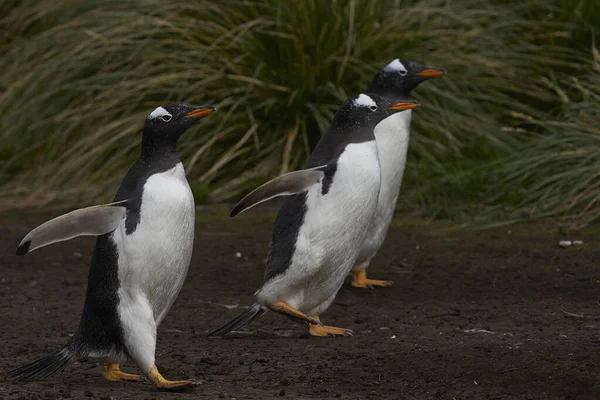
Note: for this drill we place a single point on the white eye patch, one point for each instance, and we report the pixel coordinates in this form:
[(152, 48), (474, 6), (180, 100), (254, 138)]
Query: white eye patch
[(397, 66), (160, 112), (365, 101)]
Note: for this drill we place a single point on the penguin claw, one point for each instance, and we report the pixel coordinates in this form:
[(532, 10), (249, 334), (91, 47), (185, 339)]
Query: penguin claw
[(290, 312), (371, 283), (360, 280), (172, 386), (347, 333), (113, 373), (163, 384), (324, 330)]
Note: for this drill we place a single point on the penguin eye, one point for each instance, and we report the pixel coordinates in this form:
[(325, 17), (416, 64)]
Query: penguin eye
[(166, 118), (402, 72), (373, 108)]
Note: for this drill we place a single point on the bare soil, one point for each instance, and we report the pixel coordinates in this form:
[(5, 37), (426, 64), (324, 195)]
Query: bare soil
[(499, 314)]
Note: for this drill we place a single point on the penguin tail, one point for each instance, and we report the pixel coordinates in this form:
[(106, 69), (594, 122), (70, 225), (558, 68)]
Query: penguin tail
[(251, 313), (45, 366)]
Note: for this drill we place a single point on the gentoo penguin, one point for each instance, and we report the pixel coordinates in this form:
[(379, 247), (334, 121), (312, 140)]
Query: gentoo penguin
[(141, 258), (319, 228), (395, 81)]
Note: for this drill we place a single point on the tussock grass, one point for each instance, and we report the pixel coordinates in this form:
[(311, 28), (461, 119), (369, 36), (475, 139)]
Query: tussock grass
[(558, 174), (79, 78)]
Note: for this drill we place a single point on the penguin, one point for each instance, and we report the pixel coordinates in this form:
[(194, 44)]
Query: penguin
[(320, 226), (396, 80), (140, 260)]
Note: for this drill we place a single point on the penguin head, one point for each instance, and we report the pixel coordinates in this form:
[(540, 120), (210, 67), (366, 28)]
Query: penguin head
[(373, 108), (362, 113), (168, 122), (400, 77)]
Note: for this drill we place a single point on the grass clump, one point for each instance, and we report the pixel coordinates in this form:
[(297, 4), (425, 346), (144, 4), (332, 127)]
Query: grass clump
[(558, 174), (79, 78)]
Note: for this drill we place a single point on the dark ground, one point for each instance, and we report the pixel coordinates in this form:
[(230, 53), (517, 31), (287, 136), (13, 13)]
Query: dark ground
[(492, 315)]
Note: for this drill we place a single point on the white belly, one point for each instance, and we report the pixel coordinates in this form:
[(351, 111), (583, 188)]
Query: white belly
[(154, 259), (392, 136), (333, 229)]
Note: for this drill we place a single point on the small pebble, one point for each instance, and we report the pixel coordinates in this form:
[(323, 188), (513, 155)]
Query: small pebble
[(238, 255), (565, 243), (577, 242)]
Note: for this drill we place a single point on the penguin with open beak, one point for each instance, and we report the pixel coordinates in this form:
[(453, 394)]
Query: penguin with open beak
[(321, 225), (396, 80), (140, 261)]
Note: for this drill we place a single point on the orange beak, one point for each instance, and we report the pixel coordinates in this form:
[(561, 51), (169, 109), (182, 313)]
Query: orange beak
[(405, 105), (201, 112), (431, 72)]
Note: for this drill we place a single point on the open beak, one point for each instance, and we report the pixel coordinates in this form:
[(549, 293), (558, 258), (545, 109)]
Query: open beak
[(431, 72), (405, 105), (200, 112)]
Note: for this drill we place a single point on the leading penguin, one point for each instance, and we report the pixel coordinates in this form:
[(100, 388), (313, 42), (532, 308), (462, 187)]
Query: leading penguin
[(396, 80), (320, 227), (141, 257)]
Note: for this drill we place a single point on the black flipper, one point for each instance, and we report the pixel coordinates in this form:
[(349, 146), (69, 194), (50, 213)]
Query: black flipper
[(284, 185), (45, 366), (253, 312), (90, 221)]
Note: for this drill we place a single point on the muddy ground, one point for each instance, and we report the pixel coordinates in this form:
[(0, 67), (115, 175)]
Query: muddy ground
[(503, 314)]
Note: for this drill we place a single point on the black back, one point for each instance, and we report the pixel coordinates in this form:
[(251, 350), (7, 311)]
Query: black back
[(352, 124), (100, 328)]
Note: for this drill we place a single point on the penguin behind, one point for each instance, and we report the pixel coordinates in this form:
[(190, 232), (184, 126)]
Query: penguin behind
[(319, 228), (141, 257), (396, 80)]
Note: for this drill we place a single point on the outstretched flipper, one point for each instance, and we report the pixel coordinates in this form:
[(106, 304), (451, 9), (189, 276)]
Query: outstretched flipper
[(284, 185), (90, 221)]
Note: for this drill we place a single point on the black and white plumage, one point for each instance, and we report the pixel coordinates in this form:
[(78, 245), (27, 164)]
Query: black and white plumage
[(321, 226), (395, 81), (141, 257)]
